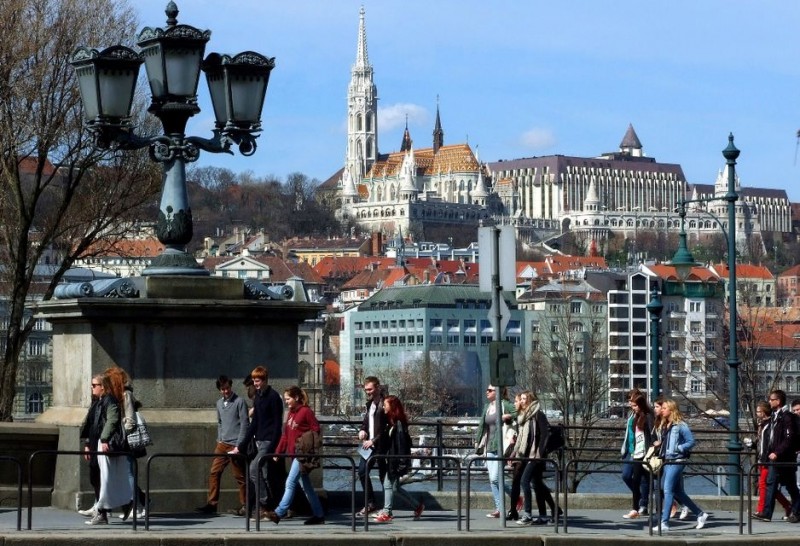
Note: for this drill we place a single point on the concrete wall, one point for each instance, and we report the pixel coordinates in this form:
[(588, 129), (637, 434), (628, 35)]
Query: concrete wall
[(173, 349)]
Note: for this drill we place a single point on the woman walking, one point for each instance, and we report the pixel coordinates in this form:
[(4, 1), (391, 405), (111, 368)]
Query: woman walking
[(122, 389), (638, 438), (488, 440), (102, 431), (299, 420), (676, 447), (399, 444), (531, 441)]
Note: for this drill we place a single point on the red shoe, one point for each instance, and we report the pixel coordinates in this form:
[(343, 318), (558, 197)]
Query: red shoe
[(384, 517), (418, 511)]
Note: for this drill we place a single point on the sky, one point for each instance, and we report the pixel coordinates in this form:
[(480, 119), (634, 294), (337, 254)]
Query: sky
[(520, 79)]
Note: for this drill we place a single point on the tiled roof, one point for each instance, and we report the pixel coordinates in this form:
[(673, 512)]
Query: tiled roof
[(280, 270), (793, 271), (333, 182), (347, 266), (28, 166), (453, 157), (126, 248), (744, 271), (668, 272), (324, 244), (559, 163), (708, 189)]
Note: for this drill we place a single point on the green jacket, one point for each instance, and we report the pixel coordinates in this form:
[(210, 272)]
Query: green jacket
[(491, 444)]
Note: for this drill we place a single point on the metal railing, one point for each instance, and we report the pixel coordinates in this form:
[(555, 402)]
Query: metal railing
[(19, 487)]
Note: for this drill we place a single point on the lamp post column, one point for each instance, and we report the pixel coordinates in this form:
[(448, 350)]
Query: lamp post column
[(655, 307), (734, 446)]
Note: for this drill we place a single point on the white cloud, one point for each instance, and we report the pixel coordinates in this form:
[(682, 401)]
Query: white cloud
[(394, 116), (538, 139)]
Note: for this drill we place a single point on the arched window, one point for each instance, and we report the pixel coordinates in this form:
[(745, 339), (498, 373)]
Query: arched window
[(369, 122), (35, 403), (358, 122)]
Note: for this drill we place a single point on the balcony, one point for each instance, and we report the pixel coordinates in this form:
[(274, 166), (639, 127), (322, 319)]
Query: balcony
[(677, 314)]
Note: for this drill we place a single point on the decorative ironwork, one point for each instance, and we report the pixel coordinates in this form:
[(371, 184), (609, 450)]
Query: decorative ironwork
[(254, 290), (175, 228), (101, 288)]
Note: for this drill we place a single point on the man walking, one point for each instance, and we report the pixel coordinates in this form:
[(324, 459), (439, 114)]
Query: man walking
[(373, 435), (782, 439), (232, 424), (265, 427)]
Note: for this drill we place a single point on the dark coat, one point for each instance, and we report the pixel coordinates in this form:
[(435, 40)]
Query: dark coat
[(267, 419), (381, 426), (783, 436), (398, 444)]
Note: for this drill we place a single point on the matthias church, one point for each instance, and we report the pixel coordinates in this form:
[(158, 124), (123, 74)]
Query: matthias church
[(416, 190)]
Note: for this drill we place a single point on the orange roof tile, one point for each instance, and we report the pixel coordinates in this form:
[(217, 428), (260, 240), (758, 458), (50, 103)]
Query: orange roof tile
[(668, 272), (747, 271), (453, 157)]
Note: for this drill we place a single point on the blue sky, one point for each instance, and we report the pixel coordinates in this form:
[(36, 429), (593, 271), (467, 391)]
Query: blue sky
[(521, 78)]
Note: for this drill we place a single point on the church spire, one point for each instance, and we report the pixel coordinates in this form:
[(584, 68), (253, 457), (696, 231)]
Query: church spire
[(438, 134), (406, 144), (362, 111), (362, 58)]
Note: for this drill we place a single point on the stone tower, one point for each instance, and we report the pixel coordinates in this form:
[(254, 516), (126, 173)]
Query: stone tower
[(362, 111)]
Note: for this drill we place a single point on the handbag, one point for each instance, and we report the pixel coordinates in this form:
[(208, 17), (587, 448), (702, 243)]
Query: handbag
[(652, 461), (139, 437)]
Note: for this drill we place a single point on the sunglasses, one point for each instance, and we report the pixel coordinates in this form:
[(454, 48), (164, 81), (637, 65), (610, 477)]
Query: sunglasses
[(96, 385)]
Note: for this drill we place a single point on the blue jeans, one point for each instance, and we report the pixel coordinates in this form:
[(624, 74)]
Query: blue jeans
[(637, 481), (673, 491), (392, 488), (292, 479), (260, 477), (494, 468)]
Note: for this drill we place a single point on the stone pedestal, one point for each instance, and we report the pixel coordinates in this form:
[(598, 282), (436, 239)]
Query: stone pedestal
[(173, 348)]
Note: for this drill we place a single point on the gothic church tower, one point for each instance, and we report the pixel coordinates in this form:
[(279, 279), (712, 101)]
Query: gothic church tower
[(362, 112)]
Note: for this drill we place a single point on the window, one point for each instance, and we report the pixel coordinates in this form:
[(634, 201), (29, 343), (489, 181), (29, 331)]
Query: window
[(36, 347), (695, 306), (576, 327), (535, 327), (358, 344), (696, 327), (302, 344), (575, 307), (697, 386), (35, 403), (453, 332), (697, 347)]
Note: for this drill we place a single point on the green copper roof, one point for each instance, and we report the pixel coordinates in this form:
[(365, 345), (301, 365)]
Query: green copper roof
[(428, 295)]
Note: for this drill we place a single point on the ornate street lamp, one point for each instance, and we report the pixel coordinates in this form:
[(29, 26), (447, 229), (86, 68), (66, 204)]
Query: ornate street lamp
[(173, 59), (683, 261)]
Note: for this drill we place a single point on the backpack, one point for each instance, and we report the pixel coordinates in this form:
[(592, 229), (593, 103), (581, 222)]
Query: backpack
[(795, 432), (556, 439), (403, 465)]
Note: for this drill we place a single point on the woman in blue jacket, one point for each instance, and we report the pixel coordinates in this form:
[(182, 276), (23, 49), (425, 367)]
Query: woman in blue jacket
[(676, 447)]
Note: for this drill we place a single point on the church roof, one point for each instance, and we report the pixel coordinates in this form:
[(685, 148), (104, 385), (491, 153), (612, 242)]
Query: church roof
[(453, 157), (709, 189)]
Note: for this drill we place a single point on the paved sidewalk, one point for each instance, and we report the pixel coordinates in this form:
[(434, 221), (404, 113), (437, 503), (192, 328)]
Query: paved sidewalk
[(54, 526)]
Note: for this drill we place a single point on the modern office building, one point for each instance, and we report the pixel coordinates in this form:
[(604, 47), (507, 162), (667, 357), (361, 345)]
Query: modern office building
[(400, 327)]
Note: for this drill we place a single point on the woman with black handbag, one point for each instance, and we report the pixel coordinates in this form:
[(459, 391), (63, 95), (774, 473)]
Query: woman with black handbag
[(102, 431), (397, 467)]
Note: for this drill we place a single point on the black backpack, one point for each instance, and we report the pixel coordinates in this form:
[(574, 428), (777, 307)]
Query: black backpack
[(556, 439)]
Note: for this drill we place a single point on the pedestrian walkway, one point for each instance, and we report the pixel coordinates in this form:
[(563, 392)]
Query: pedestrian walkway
[(52, 526)]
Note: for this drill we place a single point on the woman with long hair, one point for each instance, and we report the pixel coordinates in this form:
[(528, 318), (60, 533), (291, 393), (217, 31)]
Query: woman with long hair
[(122, 389), (531, 441), (638, 438), (397, 467), (300, 419), (488, 440), (676, 448), (102, 431)]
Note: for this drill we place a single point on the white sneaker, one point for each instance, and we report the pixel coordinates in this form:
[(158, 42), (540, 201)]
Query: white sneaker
[(701, 520), (89, 512), (664, 528), (684, 513)]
